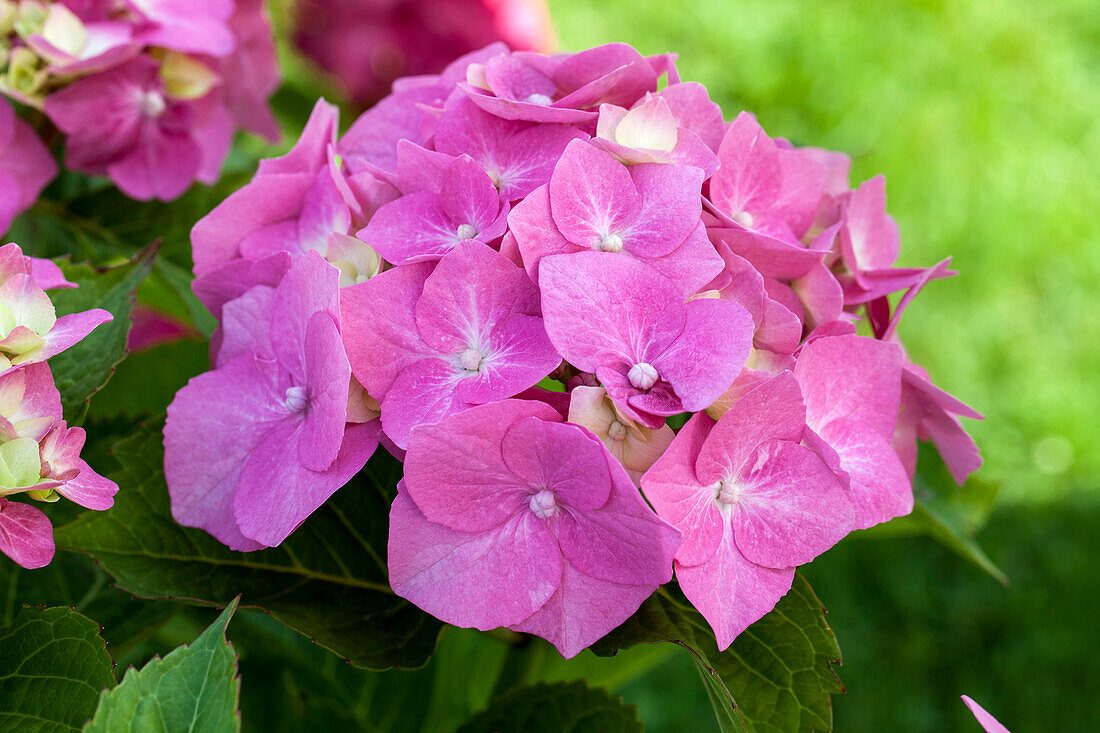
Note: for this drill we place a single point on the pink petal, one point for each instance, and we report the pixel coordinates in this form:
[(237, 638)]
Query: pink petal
[(582, 610), (731, 592), (327, 375), (26, 534), (592, 194), (71, 329), (561, 457), (456, 473), (424, 392), (276, 493), (89, 489), (482, 579), (750, 177), (987, 721), (681, 499), (880, 489)]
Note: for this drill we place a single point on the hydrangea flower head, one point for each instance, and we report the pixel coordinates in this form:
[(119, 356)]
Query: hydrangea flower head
[(551, 288)]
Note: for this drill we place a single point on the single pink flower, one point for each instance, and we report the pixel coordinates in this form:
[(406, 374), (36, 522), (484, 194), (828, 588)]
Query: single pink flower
[(593, 202), (255, 446), (751, 502), (427, 343), (565, 89), (510, 517), (463, 205), (620, 319)]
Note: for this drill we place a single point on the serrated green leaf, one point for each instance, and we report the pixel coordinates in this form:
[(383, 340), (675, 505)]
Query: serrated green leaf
[(562, 707), (194, 689), (53, 665), (74, 580), (328, 580), (84, 368), (776, 676)]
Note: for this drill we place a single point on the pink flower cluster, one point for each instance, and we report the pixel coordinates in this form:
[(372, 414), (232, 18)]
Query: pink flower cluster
[(368, 44), (613, 336), (39, 453), (147, 92)]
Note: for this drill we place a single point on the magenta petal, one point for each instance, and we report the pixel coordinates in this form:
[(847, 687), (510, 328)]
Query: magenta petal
[(89, 489), (378, 321), (792, 507), (483, 579), (880, 488), (310, 151), (680, 499), (424, 392), (600, 307), (468, 196), (561, 457), (691, 265), (533, 227), (469, 293), (708, 354), (987, 721), (526, 357), (213, 426), (771, 411), (623, 542), (455, 471), (582, 610), (26, 534), (71, 329), (276, 493), (412, 228), (731, 592), (591, 194), (750, 177), (851, 377), (327, 375), (670, 209)]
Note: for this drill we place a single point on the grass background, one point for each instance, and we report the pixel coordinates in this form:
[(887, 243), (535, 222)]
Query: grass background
[(985, 117)]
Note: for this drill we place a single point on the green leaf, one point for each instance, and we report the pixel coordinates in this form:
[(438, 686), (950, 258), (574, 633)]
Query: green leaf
[(328, 580), (556, 708), (194, 689), (83, 369), (53, 665), (776, 676), (949, 513)]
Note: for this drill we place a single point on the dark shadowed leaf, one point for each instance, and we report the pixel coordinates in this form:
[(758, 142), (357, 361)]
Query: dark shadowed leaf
[(776, 676), (328, 580), (83, 369), (194, 689), (562, 707), (53, 665)]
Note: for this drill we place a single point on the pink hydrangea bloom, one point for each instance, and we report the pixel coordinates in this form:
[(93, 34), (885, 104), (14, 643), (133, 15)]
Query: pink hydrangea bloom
[(751, 502), (519, 220), (988, 722), (623, 321), (255, 446), (427, 343), (367, 44), (510, 517), (25, 166), (40, 460)]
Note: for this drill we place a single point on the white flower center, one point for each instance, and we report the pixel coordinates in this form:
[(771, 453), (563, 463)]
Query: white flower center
[(544, 504), (466, 231), (471, 359), (610, 243), (642, 375), (296, 399), (151, 103), (727, 492), (743, 218), (540, 99), (616, 431)]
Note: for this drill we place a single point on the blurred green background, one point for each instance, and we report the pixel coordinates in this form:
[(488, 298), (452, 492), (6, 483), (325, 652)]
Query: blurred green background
[(985, 117)]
